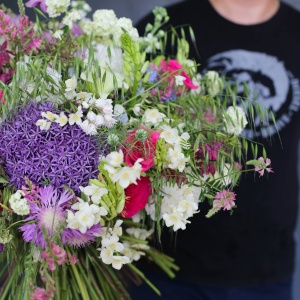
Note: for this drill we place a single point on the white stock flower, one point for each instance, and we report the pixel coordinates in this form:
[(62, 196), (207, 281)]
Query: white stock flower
[(83, 96), (117, 230), (234, 120), (170, 135), (56, 7), (49, 115), (119, 261), (106, 255), (179, 80), (153, 117), (43, 124), (126, 176), (95, 192), (175, 219), (115, 158), (76, 118), (139, 233), (88, 127), (62, 119), (113, 243)]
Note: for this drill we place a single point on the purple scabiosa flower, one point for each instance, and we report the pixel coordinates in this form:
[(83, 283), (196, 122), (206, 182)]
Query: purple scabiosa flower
[(49, 213), (75, 238), (61, 156)]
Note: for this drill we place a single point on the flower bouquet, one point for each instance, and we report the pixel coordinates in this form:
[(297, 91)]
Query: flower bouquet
[(104, 141)]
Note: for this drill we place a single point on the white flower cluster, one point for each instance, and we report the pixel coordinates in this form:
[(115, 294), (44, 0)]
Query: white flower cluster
[(61, 119), (134, 250), (124, 175), (82, 7), (175, 159), (71, 17), (19, 204), (5, 237), (107, 28), (111, 248), (151, 42), (87, 215), (234, 120), (101, 111), (178, 204), (56, 7), (152, 117)]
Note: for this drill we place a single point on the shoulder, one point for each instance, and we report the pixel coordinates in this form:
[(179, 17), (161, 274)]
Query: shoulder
[(185, 12), (291, 16)]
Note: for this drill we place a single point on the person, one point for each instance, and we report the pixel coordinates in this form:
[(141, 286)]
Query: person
[(249, 255)]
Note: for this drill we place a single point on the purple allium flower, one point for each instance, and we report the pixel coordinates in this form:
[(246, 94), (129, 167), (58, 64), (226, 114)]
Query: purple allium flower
[(63, 156), (49, 213)]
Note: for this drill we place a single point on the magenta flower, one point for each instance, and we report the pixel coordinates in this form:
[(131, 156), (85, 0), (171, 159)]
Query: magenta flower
[(4, 54), (262, 166), (42, 294), (224, 199), (54, 255), (34, 3)]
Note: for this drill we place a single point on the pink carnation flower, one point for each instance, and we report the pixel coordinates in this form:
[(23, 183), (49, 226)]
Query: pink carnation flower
[(174, 68), (136, 197), (136, 149)]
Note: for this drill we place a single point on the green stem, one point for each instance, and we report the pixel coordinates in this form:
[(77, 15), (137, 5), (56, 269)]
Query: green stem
[(141, 274), (82, 288)]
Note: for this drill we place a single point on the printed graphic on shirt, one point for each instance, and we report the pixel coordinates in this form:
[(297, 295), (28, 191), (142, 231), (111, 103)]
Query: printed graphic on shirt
[(269, 82)]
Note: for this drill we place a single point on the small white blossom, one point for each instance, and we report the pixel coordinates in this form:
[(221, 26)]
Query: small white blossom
[(43, 124), (57, 34), (76, 118), (153, 117), (175, 219), (62, 119), (113, 243), (95, 192), (88, 127), (119, 261), (179, 80), (115, 158), (49, 115)]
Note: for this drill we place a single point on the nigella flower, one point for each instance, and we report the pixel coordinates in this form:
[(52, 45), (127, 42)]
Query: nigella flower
[(61, 156), (48, 211)]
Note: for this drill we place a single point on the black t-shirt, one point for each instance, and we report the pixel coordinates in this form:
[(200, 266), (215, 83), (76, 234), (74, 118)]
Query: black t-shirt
[(255, 244)]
